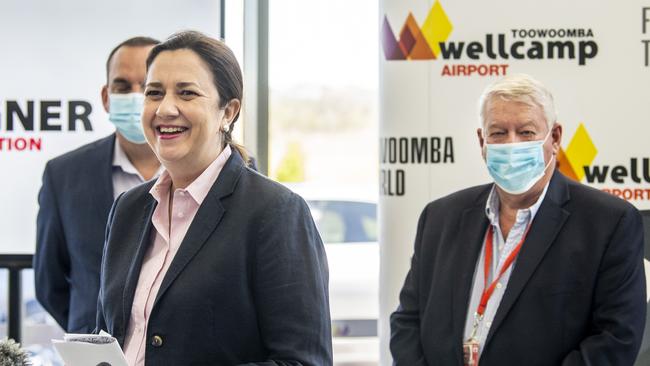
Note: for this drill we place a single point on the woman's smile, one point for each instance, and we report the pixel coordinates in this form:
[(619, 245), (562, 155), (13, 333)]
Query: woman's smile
[(168, 132)]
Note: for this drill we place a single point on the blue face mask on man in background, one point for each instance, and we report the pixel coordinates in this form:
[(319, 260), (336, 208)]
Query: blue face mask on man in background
[(124, 112), (516, 167)]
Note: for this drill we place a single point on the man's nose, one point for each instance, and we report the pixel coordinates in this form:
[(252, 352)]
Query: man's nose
[(137, 88), (513, 136)]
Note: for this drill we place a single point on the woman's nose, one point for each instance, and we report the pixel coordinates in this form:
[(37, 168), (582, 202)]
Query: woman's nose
[(167, 107)]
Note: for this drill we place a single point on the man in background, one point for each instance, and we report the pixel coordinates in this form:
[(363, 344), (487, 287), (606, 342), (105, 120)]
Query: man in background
[(79, 188)]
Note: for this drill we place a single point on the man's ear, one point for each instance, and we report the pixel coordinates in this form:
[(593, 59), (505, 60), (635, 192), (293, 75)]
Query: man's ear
[(481, 141), (556, 135), (105, 98)]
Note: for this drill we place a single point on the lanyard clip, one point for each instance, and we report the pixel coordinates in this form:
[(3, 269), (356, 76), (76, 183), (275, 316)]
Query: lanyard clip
[(477, 320)]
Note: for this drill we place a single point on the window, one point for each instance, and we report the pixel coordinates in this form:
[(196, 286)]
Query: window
[(323, 144)]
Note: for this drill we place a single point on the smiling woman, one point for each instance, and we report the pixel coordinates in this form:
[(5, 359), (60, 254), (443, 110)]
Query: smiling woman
[(186, 118), (212, 257), (182, 118)]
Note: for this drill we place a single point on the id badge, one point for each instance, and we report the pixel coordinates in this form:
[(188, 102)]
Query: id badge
[(470, 353)]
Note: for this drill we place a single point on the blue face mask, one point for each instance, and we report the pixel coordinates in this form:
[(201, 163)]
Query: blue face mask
[(124, 112), (516, 167)]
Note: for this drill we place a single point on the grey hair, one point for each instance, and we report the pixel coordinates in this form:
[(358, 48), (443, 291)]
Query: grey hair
[(519, 88)]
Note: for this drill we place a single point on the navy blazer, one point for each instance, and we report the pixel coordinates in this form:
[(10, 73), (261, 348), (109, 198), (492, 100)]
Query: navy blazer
[(75, 200), (248, 284), (576, 295)]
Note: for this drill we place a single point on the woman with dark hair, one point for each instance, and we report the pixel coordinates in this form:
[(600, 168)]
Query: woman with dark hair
[(212, 264)]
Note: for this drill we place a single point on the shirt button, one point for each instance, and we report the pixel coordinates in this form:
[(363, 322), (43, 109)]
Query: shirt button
[(501, 247), (181, 215), (488, 324), (156, 341), (499, 285)]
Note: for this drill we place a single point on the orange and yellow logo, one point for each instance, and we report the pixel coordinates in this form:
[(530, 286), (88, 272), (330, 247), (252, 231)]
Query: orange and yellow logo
[(415, 42), (580, 153), (576, 163)]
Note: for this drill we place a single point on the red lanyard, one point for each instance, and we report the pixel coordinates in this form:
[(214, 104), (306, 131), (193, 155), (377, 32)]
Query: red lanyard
[(489, 290)]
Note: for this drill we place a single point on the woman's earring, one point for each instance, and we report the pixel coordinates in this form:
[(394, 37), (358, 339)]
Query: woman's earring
[(225, 128)]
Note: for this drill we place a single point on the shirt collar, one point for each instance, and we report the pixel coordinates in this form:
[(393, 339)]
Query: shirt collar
[(121, 161), (200, 187), (492, 205)]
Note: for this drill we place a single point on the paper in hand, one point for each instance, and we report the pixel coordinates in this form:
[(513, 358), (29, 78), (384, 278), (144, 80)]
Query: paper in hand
[(90, 349)]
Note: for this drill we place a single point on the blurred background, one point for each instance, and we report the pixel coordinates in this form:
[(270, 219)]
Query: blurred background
[(313, 71), (322, 74)]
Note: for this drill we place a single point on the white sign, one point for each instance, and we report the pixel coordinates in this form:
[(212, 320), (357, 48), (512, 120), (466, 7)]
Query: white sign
[(436, 59), (52, 68)]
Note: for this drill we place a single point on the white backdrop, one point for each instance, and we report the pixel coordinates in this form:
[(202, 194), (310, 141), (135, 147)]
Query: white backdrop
[(607, 94), (56, 51)]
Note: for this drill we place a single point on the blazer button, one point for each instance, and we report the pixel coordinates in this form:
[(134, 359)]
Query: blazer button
[(156, 341)]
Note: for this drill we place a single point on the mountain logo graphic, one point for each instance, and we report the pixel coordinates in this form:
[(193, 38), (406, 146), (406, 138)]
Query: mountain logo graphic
[(415, 42), (580, 153)]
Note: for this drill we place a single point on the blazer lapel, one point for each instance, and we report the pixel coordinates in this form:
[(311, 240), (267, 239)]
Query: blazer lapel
[(467, 250), (133, 273), (546, 225), (103, 179), (205, 222)]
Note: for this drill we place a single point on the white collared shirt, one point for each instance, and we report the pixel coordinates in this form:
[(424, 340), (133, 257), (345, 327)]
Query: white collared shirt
[(502, 247), (125, 175)]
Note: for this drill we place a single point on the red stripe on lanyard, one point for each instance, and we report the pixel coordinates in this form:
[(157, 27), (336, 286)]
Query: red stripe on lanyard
[(489, 290)]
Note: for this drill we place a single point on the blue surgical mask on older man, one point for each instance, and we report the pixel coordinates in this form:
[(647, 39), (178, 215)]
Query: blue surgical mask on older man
[(517, 166), (124, 112)]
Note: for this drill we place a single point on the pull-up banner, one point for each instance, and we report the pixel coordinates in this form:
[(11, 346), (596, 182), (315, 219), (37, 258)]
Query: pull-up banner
[(437, 57), (52, 68)]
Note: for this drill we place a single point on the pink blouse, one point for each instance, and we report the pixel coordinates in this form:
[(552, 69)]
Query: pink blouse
[(167, 238)]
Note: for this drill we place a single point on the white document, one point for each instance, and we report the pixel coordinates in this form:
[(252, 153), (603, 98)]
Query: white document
[(90, 350)]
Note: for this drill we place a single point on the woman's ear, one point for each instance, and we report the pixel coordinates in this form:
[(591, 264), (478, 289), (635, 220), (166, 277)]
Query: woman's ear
[(230, 111)]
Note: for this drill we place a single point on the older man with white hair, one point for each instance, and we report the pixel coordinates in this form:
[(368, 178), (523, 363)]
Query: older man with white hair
[(534, 269)]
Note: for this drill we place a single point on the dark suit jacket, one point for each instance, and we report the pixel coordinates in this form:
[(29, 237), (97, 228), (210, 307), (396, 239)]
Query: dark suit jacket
[(75, 200), (576, 295), (248, 284)]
